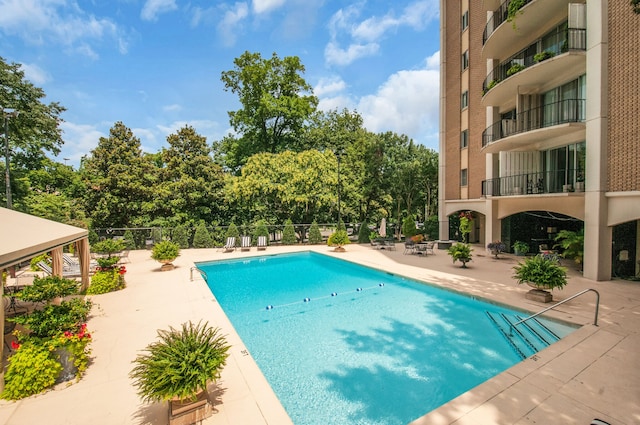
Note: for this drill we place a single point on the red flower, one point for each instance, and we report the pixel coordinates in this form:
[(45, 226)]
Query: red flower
[(15, 345), (68, 334)]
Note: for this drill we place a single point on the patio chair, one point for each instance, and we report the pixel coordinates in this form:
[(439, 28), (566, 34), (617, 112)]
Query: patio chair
[(65, 273), (262, 243), (245, 243), (230, 245), (409, 247), (429, 248)]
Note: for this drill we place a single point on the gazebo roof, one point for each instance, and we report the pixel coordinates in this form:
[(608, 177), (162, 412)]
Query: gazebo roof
[(24, 236)]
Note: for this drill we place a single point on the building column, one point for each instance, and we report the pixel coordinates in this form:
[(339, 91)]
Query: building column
[(597, 234), (443, 219)]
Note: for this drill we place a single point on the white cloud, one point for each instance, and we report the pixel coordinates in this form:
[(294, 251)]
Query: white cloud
[(407, 103), (172, 108), (334, 54), (338, 102), (362, 37), (35, 74), (79, 140), (228, 26), (263, 6), (43, 21), (329, 85), (153, 8)]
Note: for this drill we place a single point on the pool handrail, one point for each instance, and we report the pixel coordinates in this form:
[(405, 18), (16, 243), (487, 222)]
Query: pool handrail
[(595, 320)]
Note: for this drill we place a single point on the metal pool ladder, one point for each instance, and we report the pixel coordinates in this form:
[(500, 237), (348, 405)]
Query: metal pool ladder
[(595, 320)]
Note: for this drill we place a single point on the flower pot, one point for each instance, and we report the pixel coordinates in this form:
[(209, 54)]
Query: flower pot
[(186, 412), (539, 295), (69, 369), (167, 265), (579, 186), (339, 249)]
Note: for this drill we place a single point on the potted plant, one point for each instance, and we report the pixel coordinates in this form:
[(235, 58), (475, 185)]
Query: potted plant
[(521, 248), (542, 274), (460, 252), (178, 367), (338, 239), (539, 57), (165, 252), (515, 68), (496, 248)]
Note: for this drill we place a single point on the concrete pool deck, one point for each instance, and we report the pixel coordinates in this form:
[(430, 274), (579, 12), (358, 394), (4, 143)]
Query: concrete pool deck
[(592, 373)]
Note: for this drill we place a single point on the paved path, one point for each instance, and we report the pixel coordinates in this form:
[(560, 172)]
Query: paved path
[(594, 372)]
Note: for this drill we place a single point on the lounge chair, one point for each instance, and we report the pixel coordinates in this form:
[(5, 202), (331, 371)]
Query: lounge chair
[(245, 243), (230, 245), (65, 273), (429, 248), (262, 243)]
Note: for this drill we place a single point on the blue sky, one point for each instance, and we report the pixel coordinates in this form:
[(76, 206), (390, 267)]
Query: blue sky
[(155, 65)]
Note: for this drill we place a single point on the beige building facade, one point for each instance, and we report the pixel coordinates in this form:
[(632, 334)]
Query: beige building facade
[(539, 130)]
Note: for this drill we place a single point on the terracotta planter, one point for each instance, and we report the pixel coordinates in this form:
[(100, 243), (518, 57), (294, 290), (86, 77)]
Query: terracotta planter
[(167, 265), (339, 249), (186, 412)]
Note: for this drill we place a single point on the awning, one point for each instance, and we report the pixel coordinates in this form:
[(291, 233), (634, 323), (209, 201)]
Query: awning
[(23, 236)]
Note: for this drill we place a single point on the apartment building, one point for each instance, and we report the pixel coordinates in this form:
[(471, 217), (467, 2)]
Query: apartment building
[(539, 126)]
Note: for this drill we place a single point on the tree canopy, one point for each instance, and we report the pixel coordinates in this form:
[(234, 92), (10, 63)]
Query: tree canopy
[(276, 103)]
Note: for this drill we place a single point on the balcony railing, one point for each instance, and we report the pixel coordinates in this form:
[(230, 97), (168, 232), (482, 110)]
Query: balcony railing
[(562, 112), (499, 16), (557, 181), (573, 39)]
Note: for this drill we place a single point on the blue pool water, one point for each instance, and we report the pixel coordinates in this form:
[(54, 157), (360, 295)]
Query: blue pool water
[(344, 344)]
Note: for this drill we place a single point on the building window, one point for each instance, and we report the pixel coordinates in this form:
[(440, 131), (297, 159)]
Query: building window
[(463, 177), (464, 99), (464, 139), (465, 60), (465, 20)]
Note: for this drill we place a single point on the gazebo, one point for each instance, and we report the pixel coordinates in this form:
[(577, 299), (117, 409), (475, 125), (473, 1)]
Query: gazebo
[(24, 236)]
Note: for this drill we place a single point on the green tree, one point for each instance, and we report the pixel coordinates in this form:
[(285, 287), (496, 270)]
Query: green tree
[(180, 236), (289, 234), (274, 105), (292, 185), (364, 233), (201, 237), (119, 181), (129, 240), (35, 132), (191, 184), (260, 230), (233, 232), (315, 237)]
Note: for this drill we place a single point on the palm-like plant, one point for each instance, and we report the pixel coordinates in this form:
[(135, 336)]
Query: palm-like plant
[(338, 239), (181, 363), (572, 243), (541, 272)]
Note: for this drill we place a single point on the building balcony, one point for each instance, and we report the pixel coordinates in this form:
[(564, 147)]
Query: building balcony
[(558, 181), (537, 128), (534, 19), (502, 84)]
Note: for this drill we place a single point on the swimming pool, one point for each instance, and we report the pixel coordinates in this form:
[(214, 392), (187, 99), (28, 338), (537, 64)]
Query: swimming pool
[(344, 344)]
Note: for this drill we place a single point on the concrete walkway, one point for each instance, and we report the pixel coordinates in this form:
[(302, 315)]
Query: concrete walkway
[(592, 373)]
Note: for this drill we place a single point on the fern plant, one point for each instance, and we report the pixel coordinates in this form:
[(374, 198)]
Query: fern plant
[(181, 363), (460, 252), (541, 272)]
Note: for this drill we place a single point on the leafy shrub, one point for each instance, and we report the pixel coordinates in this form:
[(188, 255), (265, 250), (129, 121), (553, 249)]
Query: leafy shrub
[(338, 239), (232, 232), (106, 281), (315, 237), (460, 252), (409, 227), (180, 236), (181, 363), (572, 243), (156, 234), (165, 251), (521, 247), (341, 225), (93, 237), (32, 368), (363, 233), (541, 272), (514, 69), (54, 319), (497, 247), (108, 246), (129, 241), (201, 237), (48, 288), (260, 230), (289, 234), (107, 263)]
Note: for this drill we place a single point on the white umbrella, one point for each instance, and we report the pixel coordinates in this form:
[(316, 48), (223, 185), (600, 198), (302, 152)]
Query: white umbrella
[(383, 228)]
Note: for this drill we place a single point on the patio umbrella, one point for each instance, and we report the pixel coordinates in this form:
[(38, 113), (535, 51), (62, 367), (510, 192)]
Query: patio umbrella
[(383, 228)]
